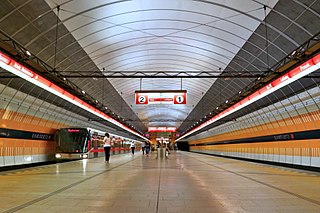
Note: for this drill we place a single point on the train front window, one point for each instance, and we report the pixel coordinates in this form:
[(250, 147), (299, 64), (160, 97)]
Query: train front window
[(73, 140)]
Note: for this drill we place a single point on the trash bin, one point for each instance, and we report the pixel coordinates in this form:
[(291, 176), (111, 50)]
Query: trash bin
[(95, 154), (161, 153)]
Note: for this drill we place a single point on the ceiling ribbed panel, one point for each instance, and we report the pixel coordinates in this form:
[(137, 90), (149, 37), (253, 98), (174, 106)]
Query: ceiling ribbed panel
[(167, 35)]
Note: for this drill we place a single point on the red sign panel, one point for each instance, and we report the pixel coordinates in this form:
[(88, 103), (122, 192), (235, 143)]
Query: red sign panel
[(162, 129), (5, 59), (161, 97), (142, 99), (180, 98)]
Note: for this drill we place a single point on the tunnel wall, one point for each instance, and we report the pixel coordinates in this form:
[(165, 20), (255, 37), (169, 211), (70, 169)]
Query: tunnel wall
[(27, 127), (269, 134)]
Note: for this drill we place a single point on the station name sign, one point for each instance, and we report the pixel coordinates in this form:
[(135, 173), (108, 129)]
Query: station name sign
[(162, 129), (161, 96)]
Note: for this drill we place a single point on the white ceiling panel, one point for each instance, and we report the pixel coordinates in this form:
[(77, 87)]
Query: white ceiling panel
[(166, 35)]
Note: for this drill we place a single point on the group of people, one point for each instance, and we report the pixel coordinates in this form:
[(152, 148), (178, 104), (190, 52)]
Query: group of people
[(146, 146), (167, 147)]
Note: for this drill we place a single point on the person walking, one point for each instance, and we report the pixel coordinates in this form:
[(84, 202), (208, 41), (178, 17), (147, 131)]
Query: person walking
[(148, 145), (143, 147), (132, 146), (107, 146)]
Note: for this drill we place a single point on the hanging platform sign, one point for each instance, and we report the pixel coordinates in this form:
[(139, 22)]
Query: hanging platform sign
[(162, 129), (161, 96)]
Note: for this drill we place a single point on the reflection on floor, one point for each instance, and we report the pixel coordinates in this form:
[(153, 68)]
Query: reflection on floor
[(185, 182)]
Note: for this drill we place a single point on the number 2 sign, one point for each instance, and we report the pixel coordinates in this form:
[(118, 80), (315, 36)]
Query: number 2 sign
[(141, 99)]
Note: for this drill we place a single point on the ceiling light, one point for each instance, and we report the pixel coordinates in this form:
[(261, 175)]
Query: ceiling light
[(217, 107), (28, 53), (83, 92), (240, 92), (64, 78), (227, 101), (94, 78)]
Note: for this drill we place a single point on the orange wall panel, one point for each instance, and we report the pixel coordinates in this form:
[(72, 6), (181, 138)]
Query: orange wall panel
[(293, 148), (296, 126), (36, 124)]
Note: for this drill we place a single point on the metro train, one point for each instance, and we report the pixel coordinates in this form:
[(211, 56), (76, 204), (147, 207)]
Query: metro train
[(20, 147), (81, 143)]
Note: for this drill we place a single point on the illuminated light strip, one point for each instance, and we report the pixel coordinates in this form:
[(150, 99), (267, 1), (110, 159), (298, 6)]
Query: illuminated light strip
[(14, 67), (162, 129), (304, 69), (111, 135)]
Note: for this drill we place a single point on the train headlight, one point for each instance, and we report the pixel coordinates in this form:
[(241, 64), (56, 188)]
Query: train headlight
[(85, 156), (58, 156)]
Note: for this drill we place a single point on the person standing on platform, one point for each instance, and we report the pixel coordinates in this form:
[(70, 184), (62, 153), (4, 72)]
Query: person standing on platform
[(107, 146), (132, 146), (148, 145), (143, 146)]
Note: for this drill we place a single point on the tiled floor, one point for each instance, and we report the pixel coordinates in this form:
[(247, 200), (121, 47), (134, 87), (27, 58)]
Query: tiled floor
[(186, 182)]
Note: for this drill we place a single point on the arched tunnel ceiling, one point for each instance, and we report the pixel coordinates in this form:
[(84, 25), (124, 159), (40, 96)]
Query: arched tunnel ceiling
[(155, 36)]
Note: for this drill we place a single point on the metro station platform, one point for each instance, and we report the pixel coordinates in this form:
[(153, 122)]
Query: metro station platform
[(185, 182)]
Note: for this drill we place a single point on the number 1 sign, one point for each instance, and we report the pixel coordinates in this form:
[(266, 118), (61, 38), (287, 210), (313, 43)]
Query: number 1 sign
[(180, 99)]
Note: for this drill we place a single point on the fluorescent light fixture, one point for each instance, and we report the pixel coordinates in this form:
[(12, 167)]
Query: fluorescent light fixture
[(304, 69), (14, 67), (28, 53)]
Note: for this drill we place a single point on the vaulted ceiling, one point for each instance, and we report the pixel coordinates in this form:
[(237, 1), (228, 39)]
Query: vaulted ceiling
[(159, 44)]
